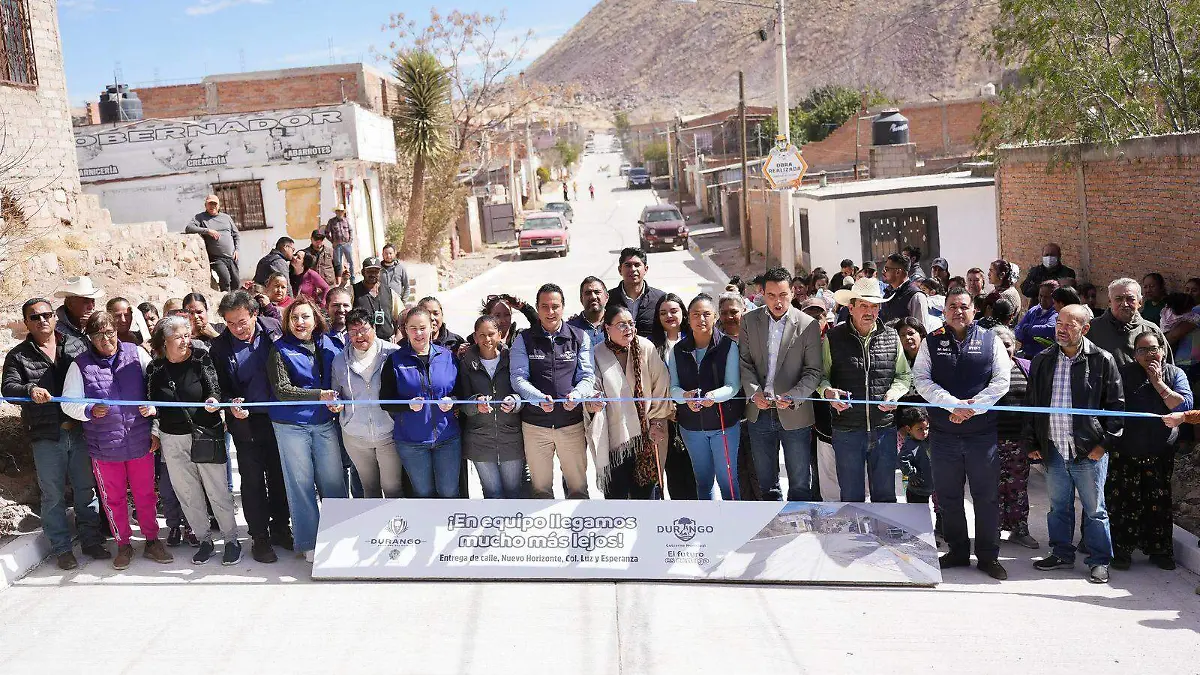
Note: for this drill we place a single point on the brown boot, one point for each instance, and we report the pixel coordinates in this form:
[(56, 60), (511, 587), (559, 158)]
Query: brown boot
[(124, 557), (157, 552)]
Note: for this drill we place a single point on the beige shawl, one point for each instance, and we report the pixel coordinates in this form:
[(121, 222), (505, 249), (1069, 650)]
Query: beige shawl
[(612, 430)]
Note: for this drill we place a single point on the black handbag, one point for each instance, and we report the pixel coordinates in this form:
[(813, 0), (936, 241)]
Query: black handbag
[(208, 443)]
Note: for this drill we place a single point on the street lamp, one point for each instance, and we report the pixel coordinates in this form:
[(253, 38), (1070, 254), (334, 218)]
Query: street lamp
[(788, 240)]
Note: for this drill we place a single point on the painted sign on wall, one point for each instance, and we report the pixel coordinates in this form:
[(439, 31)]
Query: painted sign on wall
[(163, 147)]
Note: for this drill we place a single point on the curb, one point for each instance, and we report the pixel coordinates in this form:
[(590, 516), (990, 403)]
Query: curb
[(19, 557), (718, 274)]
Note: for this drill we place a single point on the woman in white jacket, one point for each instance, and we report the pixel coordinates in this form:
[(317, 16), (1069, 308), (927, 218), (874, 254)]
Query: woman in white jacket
[(366, 428)]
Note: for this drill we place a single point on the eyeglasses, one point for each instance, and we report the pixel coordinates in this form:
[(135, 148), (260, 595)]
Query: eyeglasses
[(104, 335), (44, 316), (361, 331), (624, 325), (1142, 351)]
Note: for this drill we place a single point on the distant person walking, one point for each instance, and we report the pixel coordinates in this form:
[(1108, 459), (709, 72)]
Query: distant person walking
[(566, 198), (220, 241), (592, 191)]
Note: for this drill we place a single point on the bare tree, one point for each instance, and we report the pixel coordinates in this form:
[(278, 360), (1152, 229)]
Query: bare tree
[(21, 229)]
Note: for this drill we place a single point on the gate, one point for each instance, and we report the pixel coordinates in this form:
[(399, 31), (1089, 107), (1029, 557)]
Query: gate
[(498, 222)]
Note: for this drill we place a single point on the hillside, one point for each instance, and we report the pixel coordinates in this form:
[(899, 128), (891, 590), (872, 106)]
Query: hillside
[(655, 56)]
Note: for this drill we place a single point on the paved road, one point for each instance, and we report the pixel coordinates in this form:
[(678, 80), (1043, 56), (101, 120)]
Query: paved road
[(272, 618)]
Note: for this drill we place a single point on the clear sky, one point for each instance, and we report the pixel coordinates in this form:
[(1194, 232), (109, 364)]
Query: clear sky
[(177, 41)]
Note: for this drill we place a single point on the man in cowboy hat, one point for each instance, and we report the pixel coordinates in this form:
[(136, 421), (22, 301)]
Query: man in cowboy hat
[(862, 360), (220, 242), (79, 298), (341, 235)]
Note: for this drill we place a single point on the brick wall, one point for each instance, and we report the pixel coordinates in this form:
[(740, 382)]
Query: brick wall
[(271, 90), (1121, 211), (939, 129), (37, 160)]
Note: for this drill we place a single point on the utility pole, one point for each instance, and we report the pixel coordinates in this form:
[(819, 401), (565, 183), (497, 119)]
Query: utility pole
[(679, 169), (787, 239), (746, 239), (531, 175)]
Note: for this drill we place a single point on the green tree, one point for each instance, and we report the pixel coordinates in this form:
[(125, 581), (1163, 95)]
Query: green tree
[(655, 152), (822, 111), (422, 120), (1095, 70), (621, 123)]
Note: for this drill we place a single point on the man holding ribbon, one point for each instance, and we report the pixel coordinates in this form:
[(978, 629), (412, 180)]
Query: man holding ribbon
[(964, 369)]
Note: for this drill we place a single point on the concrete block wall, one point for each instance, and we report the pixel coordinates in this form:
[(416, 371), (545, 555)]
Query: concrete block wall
[(893, 161), (1120, 211), (38, 158)]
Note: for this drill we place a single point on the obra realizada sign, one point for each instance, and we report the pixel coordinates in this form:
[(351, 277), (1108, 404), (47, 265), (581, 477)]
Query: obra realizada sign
[(717, 541), (162, 147)]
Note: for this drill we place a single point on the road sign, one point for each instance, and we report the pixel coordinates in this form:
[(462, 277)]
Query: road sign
[(785, 167)]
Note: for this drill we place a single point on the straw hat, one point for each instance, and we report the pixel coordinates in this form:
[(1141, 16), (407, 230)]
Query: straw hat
[(863, 289), (80, 287)]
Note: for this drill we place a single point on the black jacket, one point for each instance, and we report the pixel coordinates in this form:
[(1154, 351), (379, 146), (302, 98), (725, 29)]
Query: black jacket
[(1038, 274), (160, 386), (26, 367), (488, 437), (647, 304), (1095, 385), (270, 263)]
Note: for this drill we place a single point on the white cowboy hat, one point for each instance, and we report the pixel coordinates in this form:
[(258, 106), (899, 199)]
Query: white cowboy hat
[(863, 289), (339, 207), (80, 287)]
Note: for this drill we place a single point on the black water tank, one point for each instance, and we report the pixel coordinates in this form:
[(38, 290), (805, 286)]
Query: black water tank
[(119, 104), (889, 128)]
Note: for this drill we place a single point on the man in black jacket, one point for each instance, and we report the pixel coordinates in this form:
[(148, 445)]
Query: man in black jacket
[(35, 369), (639, 297), (1075, 373), (279, 259), (240, 357), (1051, 268)]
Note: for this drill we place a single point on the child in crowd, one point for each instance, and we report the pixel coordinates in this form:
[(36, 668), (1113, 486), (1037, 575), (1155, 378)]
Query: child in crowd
[(915, 462)]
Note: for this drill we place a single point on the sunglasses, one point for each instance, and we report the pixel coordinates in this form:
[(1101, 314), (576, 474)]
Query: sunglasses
[(44, 316)]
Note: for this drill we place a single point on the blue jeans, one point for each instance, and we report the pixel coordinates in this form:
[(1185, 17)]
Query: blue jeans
[(956, 460), (707, 451), (501, 480), (311, 457), (863, 455), (429, 463), (56, 462), (343, 259), (766, 435), (1063, 479)]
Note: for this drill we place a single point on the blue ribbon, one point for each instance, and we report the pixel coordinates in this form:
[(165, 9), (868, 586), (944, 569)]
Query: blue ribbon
[(1041, 410)]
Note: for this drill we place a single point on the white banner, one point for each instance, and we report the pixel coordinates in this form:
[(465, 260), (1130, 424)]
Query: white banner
[(818, 542)]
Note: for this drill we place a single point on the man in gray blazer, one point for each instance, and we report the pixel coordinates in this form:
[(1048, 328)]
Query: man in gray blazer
[(780, 350)]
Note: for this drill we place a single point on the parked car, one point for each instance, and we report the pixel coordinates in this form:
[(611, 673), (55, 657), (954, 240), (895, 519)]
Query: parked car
[(625, 167), (662, 226), (544, 232), (563, 208), (638, 178)]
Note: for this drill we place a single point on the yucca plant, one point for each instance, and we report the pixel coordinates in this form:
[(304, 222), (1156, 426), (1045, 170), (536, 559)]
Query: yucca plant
[(422, 123)]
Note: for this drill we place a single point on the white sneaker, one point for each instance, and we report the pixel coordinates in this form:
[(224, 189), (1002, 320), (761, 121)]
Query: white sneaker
[(308, 556)]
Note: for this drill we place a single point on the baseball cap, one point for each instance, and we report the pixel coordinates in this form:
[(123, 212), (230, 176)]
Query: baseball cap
[(372, 263), (212, 198), (317, 234), (814, 303)]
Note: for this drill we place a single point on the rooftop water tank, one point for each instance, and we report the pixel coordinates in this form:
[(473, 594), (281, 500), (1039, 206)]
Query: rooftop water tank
[(889, 128), (119, 104)]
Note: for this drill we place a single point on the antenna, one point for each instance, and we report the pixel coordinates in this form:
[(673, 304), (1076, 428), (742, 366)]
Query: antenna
[(242, 59), (330, 43), (156, 80), (117, 74)]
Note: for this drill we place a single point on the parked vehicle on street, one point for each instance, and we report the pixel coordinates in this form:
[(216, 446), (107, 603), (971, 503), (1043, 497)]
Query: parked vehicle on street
[(638, 178), (625, 167), (563, 208), (662, 226), (544, 232)]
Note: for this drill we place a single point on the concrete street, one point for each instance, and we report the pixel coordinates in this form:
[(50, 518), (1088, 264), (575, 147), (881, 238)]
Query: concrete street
[(181, 618)]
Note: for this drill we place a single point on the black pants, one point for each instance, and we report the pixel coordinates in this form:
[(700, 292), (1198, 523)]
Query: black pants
[(227, 273), (623, 485), (681, 480), (264, 497)]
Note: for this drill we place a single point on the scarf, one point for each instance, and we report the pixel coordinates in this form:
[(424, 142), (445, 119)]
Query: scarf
[(364, 362), (642, 447)]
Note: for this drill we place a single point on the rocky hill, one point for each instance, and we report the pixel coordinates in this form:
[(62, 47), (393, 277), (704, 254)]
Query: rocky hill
[(655, 56)]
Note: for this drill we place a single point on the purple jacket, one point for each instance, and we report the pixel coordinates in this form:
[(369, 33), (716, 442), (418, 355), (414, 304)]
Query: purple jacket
[(123, 434)]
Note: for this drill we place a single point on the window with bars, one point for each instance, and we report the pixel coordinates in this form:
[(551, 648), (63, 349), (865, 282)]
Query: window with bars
[(887, 232), (17, 63), (243, 202)]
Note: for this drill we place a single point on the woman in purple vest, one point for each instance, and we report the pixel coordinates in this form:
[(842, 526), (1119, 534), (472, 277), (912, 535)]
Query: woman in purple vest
[(300, 368), (427, 433), (119, 438), (705, 376)]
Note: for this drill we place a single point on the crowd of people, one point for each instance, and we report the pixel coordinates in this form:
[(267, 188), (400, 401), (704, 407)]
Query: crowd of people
[(327, 388)]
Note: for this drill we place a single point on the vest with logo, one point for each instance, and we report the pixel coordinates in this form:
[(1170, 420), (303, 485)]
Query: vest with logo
[(552, 363), (866, 370), (706, 375), (964, 369), (305, 371), (123, 434)]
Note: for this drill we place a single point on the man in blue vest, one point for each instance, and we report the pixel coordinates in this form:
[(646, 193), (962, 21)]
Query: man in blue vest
[(240, 357), (862, 360), (548, 363), (959, 365)]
